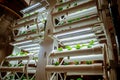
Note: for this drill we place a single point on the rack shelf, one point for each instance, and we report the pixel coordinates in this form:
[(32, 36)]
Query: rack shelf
[(13, 69), (88, 51), (33, 16), (84, 5), (86, 69), (24, 24), (74, 29), (92, 19), (62, 4), (77, 73), (23, 41), (14, 58), (94, 57), (28, 34)]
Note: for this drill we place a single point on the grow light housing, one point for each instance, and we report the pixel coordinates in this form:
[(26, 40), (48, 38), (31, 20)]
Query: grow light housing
[(32, 7), (84, 58), (77, 37), (19, 43), (80, 42), (26, 46), (31, 48)]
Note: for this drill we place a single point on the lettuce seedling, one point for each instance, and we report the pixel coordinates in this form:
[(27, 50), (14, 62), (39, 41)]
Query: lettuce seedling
[(68, 48), (91, 42), (77, 46), (66, 63), (60, 49), (76, 62), (75, 4), (56, 63), (88, 62), (60, 9), (79, 79)]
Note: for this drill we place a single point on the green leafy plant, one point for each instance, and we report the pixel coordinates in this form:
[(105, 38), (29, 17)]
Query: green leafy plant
[(89, 46), (76, 62), (60, 49), (75, 4), (68, 47), (35, 58), (91, 42), (11, 55), (77, 18), (87, 16), (56, 63), (88, 62), (10, 65), (23, 53), (21, 65), (24, 32), (79, 79), (77, 46), (33, 30), (66, 63), (60, 9)]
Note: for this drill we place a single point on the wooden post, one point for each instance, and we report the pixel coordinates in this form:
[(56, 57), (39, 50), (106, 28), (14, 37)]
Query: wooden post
[(103, 12)]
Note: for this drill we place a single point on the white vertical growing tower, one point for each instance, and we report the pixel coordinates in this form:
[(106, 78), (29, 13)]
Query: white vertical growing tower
[(80, 34)]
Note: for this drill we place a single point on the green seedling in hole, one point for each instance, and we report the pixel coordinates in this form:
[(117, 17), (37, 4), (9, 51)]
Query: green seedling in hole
[(11, 77), (75, 4), (91, 42), (77, 18), (69, 21), (68, 48), (88, 62), (60, 9), (60, 49), (24, 32), (66, 63), (11, 55), (76, 62), (89, 46), (33, 30), (10, 65), (21, 65), (35, 58), (16, 54), (79, 79), (56, 63), (86, 16), (77, 46)]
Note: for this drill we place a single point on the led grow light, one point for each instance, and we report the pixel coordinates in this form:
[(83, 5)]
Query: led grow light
[(34, 48), (30, 8), (30, 45), (84, 58), (35, 51), (81, 42), (40, 9), (94, 9), (77, 37), (18, 43), (89, 11), (76, 31)]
